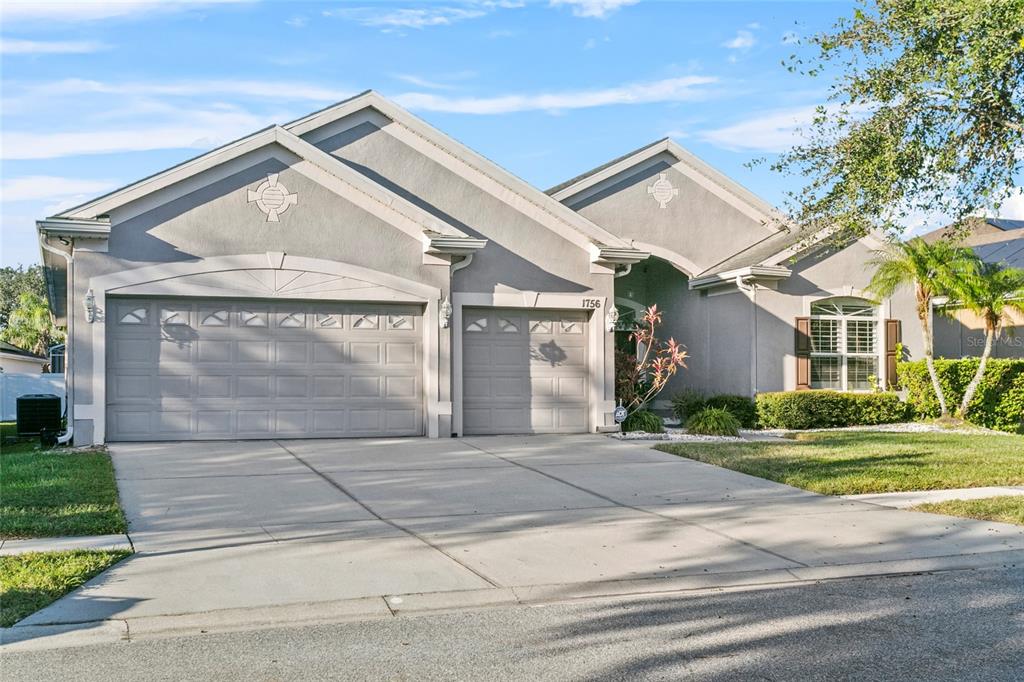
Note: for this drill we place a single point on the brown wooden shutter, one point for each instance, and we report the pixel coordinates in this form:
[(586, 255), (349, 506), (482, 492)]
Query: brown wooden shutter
[(803, 353), (893, 336)]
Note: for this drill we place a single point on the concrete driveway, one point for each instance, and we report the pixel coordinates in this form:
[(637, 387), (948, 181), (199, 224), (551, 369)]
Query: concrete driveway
[(435, 524)]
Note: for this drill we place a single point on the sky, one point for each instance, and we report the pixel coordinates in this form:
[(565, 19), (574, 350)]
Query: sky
[(96, 95)]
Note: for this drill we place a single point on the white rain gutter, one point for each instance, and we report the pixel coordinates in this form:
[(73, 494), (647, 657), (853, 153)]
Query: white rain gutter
[(69, 377)]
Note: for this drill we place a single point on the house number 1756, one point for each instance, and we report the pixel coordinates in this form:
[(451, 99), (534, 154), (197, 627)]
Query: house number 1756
[(591, 303)]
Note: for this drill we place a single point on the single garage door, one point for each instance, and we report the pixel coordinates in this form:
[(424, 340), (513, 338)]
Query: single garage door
[(215, 369), (524, 371)]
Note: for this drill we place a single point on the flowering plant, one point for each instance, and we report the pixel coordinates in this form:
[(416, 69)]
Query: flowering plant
[(640, 377)]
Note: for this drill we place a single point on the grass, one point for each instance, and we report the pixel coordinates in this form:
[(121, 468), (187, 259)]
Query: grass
[(50, 493), (28, 582), (870, 462), (1005, 508)]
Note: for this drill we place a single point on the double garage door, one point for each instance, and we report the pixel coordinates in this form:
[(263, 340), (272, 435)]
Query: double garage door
[(219, 369), (524, 371)]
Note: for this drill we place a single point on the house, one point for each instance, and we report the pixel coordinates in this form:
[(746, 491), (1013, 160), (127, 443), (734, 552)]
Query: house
[(961, 333), (357, 272), (14, 360)]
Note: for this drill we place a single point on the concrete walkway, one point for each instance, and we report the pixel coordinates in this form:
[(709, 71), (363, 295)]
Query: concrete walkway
[(916, 497), (9, 547), (244, 532)]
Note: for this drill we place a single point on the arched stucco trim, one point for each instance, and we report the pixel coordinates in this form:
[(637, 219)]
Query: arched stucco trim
[(678, 261), (411, 291)]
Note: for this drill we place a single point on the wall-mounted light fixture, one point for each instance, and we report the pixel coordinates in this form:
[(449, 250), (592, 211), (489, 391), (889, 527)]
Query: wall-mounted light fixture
[(90, 306), (444, 313), (612, 318)]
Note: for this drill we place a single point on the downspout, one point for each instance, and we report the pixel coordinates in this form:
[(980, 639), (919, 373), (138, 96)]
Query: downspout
[(462, 263), (751, 291), (69, 377)]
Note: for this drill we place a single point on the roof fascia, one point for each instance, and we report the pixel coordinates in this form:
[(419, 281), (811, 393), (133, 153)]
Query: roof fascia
[(690, 165), (600, 176), (75, 228), (355, 187), (405, 210), (873, 240), (108, 202), (751, 273), (470, 165)]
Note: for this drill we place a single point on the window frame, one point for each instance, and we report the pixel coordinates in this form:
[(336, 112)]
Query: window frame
[(842, 352)]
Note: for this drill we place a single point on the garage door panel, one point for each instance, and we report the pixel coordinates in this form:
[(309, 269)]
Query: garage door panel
[(218, 369), (524, 371)]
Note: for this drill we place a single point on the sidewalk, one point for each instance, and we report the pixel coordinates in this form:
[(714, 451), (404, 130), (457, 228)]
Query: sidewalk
[(916, 497), (9, 547)]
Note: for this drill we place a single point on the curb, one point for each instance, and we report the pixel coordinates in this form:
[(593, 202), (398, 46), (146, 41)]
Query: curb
[(51, 636)]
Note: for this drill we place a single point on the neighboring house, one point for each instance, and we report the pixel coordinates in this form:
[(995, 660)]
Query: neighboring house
[(14, 360), (358, 273), (959, 332)]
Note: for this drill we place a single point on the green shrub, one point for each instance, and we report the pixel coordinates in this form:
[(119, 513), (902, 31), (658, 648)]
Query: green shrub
[(998, 404), (742, 407), (643, 420), (825, 409), (688, 403), (713, 421)]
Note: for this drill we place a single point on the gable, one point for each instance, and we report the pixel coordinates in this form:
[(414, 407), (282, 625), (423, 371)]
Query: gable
[(219, 218), (695, 222), (463, 162), (522, 253)]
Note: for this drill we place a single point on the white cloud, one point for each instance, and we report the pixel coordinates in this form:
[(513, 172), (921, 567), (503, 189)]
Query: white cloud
[(681, 89), (1012, 208), (421, 82), (594, 9), (281, 90), (297, 22), (772, 131), (743, 40), (406, 17), (36, 187), (94, 10), (11, 46), (187, 130), (154, 116)]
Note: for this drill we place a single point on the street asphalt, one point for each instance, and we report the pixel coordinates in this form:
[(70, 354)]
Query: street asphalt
[(956, 625)]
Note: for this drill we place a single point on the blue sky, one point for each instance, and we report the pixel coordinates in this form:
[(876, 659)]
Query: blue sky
[(99, 94)]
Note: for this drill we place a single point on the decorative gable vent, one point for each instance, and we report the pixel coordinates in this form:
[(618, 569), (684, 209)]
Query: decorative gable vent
[(662, 190), (272, 198)]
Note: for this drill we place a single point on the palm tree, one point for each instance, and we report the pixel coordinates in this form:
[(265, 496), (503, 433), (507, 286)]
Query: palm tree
[(992, 292), (932, 269), (30, 326)]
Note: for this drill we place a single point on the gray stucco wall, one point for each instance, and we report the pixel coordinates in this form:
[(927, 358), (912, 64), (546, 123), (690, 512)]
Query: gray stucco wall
[(719, 327), (521, 255), (695, 224)]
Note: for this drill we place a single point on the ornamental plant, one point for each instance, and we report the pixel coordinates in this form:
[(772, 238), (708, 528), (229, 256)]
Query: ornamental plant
[(639, 378)]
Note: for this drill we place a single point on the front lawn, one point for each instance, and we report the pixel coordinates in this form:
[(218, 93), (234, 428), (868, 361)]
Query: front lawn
[(848, 463), (28, 582), (1005, 508), (57, 492)]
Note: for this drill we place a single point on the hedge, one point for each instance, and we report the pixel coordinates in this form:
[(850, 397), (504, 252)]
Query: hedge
[(998, 404), (688, 403), (825, 409)]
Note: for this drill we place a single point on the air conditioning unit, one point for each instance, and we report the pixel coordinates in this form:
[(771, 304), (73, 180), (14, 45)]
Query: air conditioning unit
[(38, 413)]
